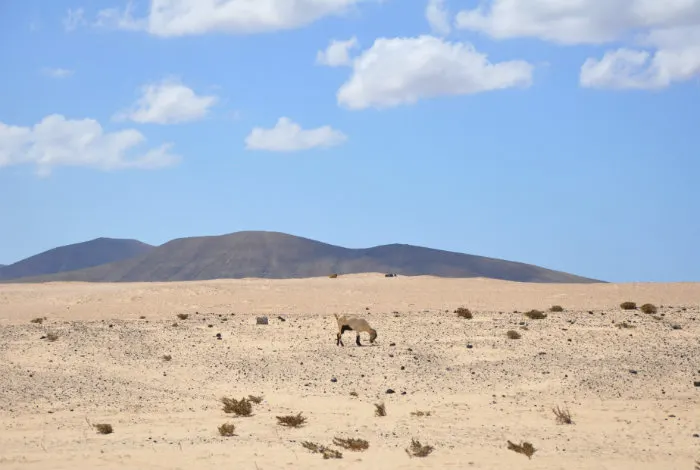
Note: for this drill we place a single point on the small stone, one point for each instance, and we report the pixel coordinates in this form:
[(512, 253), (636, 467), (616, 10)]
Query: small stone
[(392, 344), (696, 384), (334, 380), (261, 320), (632, 371), (469, 346), (389, 391)]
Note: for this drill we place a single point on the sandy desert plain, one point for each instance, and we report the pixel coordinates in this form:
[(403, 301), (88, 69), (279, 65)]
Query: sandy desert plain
[(631, 391)]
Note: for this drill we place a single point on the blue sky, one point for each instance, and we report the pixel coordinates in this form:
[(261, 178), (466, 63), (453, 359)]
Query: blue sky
[(559, 137)]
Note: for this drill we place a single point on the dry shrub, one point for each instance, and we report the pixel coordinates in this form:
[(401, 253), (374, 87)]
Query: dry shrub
[(37, 320), (175, 324), (227, 430), (167, 358), (320, 449), (379, 409), (512, 334), (104, 428), (183, 316), (354, 394), (351, 444), (240, 407), (464, 313), (556, 308), (563, 415), (628, 306), (51, 336), (416, 449), (255, 399), (625, 325), (420, 413), (524, 448), (536, 315), (333, 276), (291, 421), (649, 309)]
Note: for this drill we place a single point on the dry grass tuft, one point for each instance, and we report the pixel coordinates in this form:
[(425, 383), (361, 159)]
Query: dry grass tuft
[(416, 449), (649, 309), (291, 421), (420, 413), (563, 415), (536, 315), (183, 316), (354, 394), (625, 325), (379, 409), (524, 448), (227, 430), (240, 407), (167, 357), (255, 399), (464, 313), (356, 445), (512, 334), (320, 449), (51, 337), (628, 306), (37, 320), (104, 428), (556, 308)]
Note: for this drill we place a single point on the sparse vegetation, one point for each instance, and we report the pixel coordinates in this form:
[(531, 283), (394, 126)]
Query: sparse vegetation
[(416, 449), (676, 327), (354, 394), (356, 445), (104, 428), (183, 316), (291, 421), (323, 450), (37, 320), (536, 315), (556, 308), (175, 324), (464, 313), (649, 309), (51, 336), (524, 448), (420, 413), (241, 407), (563, 415), (628, 306), (227, 430), (625, 325), (333, 276), (167, 357), (255, 399), (379, 409), (512, 334)]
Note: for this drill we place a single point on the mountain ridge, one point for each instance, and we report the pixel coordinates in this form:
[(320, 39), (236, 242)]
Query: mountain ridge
[(277, 255)]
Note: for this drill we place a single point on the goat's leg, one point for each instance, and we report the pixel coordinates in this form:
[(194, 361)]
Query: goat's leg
[(357, 339), (339, 340)]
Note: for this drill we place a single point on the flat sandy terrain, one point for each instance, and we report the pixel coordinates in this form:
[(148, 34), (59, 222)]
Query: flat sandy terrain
[(630, 391)]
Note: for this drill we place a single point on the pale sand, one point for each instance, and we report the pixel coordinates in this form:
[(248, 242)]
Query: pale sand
[(165, 414)]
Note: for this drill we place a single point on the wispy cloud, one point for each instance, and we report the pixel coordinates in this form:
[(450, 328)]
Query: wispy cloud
[(57, 72)]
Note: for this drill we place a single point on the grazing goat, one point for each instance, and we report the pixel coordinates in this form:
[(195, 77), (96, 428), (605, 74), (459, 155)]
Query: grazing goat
[(349, 323)]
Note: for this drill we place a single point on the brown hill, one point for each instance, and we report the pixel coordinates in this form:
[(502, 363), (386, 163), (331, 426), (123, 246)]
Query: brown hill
[(279, 255), (75, 256)]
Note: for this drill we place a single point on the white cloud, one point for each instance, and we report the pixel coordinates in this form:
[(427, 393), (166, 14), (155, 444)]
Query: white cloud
[(74, 19), (57, 141), (661, 38), (168, 102), (404, 70), (115, 18), (288, 136), (190, 17), (337, 53), (438, 17), (57, 72)]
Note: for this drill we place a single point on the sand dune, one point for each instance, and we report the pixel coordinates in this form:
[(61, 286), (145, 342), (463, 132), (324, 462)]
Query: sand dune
[(630, 390)]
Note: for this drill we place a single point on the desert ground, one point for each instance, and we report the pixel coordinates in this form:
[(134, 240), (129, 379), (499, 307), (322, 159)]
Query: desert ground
[(628, 378)]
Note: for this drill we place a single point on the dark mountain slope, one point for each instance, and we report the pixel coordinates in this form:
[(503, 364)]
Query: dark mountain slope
[(75, 256), (278, 255)]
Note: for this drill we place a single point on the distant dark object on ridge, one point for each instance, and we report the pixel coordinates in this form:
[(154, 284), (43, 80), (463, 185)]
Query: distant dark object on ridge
[(390, 275), (269, 255)]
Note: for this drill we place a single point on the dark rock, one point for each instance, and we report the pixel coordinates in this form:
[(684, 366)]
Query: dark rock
[(334, 380), (389, 391), (696, 384), (632, 371), (469, 346), (392, 344)]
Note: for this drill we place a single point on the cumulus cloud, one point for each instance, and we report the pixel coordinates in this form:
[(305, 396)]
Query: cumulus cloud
[(169, 18), (74, 19), (288, 136), (404, 70), (57, 141), (661, 37), (168, 102), (337, 53), (438, 17), (57, 72)]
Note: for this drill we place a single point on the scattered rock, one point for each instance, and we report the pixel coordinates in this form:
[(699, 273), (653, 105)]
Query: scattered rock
[(632, 371), (261, 321), (390, 391), (334, 380), (469, 346)]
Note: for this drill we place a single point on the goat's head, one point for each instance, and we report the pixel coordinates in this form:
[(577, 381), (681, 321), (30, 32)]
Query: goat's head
[(372, 335)]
